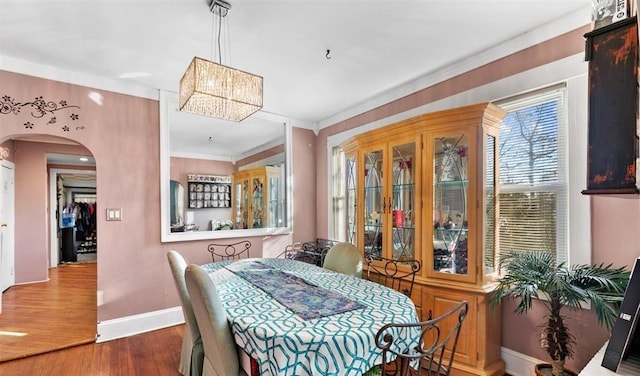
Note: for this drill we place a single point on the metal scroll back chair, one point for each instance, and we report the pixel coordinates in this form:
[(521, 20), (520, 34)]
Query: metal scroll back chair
[(291, 251), (232, 251), (320, 247), (433, 355), (312, 252), (296, 251), (396, 274)]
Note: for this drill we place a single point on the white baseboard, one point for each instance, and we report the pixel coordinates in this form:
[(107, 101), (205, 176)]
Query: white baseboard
[(127, 326), (518, 364)]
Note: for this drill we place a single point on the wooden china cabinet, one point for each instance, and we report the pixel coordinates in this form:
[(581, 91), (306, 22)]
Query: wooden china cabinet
[(257, 198), (425, 188)]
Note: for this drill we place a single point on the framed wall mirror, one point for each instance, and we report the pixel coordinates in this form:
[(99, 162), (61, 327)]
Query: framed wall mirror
[(234, 178)]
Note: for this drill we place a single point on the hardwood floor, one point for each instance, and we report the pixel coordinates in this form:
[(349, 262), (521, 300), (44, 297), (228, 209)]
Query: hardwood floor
[(46, 316), (58, 319), (154, 353)]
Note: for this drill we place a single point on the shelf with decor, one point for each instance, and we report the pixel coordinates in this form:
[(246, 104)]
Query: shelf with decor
[(208, 191)]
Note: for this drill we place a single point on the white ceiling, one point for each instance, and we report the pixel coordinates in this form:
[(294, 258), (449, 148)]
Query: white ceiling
[(376, 46), (77, 178)]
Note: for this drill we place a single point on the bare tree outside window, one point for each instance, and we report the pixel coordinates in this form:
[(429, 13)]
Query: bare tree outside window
[(529, 145), (531, 177)]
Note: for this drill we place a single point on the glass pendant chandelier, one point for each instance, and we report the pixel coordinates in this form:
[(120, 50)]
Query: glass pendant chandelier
[(216, 90)]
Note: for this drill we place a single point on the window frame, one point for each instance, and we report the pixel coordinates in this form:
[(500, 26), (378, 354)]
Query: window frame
[(337, 195), (560, 186)]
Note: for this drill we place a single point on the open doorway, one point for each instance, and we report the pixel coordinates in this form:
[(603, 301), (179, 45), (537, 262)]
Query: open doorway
[(74, 200), (7, 250), (58, 310)]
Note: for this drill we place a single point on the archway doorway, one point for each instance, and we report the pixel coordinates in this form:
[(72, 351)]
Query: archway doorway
[(53, 304), (72, 218)]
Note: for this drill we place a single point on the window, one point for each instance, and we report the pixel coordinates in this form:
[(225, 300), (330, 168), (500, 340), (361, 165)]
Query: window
[(533, 179), (338, 189)]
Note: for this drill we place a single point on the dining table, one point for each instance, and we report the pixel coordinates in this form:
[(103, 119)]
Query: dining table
[(298, 319)]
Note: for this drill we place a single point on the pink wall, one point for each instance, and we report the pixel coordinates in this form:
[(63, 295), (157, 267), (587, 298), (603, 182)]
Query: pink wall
[(32, 206), (615, 220), (521, 333), (181, 167), (261, 155), (615, 229), (122, 133), (305, 185)]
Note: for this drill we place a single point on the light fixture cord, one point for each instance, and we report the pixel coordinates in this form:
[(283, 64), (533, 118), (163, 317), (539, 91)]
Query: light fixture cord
[(228, 46), (217, 38), (219, 34), (213, 35)]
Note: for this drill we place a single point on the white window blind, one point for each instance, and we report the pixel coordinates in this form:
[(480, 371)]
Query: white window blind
[(533, 173)]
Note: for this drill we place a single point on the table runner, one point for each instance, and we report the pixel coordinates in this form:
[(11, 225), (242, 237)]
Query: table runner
[(305, 299)]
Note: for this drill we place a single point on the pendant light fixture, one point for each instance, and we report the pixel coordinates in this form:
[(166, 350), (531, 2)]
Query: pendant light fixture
[(216, 90)]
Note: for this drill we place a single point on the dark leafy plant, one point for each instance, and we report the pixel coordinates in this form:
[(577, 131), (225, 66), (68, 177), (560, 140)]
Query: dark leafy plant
[(535, 274)]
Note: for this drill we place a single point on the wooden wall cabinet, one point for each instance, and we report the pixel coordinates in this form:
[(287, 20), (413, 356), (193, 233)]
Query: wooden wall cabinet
[(450, 196), (257, 197), (612, 52)]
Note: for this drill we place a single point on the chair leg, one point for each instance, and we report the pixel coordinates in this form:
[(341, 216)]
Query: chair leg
[(185, 354)]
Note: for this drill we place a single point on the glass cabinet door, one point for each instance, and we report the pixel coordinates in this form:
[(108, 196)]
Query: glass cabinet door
[(389, 201), (450, 204), (403, 210), (351, 204), (375, 205), (258, 198), (273, 218), (241, 204), (257, 202)]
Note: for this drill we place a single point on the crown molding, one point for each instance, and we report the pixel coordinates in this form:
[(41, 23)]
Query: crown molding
[(11, 64)]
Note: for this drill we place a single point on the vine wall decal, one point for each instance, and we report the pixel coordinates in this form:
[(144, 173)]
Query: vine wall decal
[(39, 109)]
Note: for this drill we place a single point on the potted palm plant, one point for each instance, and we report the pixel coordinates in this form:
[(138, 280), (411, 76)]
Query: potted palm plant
[(536, 274)]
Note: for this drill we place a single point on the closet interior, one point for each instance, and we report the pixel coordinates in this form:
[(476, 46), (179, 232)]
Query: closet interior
[(78, 231)]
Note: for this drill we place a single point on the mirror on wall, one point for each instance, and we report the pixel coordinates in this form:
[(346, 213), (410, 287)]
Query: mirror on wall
[(221, 179)]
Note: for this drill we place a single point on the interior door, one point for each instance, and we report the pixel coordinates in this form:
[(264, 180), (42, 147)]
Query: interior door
[(7, 275)]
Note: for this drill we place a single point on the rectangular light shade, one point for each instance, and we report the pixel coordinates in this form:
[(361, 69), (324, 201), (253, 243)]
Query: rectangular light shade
[(211, 89)]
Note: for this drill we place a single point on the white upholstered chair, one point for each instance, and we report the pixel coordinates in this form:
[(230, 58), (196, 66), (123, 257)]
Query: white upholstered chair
[(192, 354), (344, 258), (220, 351)]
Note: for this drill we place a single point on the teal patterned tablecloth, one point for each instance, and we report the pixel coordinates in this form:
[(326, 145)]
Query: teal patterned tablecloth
[(283, 343)]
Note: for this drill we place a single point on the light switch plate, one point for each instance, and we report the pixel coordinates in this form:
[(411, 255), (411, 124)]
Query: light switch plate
[(114, 214)]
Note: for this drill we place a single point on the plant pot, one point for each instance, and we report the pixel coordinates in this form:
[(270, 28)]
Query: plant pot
[(544, 369)]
